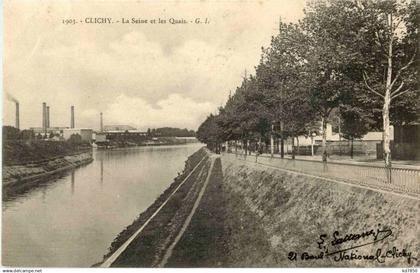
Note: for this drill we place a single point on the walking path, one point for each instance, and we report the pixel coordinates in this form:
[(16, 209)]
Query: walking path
[(108, 262), (405, 164), (405, 181), (170, 249)]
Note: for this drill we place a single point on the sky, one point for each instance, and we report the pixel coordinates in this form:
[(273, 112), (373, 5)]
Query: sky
[(144, 75)]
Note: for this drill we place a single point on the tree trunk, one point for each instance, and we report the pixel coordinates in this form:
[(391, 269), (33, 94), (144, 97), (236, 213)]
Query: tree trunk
[(339, 135), (297, 142), (281, 140), (385, 116), (293, 146), (236, 148), (387, 102), (324, 140), (272, 141), (351, 148), (257, 149), (312, 145)]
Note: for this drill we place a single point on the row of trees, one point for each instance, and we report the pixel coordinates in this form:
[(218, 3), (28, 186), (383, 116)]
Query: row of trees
[(352, 59), (170, 132)]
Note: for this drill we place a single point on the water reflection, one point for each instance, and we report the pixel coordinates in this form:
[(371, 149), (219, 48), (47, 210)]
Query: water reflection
[(34, 187), (71, 220), (102, 171), (72, 182)]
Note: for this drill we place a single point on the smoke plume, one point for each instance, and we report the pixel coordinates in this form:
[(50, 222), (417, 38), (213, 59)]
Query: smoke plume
[(11, 98)]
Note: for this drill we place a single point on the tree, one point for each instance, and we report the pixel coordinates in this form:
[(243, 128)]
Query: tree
[(358, 57), (355, 123), (325, 25), (11, 133), (245, 116), (391, 26), (27, 134), (281, 74), (254, 109), (299, 115), (210, 133), (75, 139)]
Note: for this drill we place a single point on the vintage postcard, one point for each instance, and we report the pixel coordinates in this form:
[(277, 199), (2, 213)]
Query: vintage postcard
[(226, 134)]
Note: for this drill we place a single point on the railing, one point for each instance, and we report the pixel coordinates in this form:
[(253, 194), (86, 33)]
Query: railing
[(401, 180)]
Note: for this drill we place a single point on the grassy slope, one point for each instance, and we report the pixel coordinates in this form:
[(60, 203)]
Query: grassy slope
[(294, 211), (223, 232)]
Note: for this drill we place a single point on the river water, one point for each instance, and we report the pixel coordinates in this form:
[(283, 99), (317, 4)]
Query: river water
[(70, 221)]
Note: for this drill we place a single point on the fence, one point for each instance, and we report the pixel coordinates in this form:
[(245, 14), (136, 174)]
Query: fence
[(401, 180)]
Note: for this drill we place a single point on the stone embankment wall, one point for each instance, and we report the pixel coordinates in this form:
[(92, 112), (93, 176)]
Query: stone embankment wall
[(19, 174)]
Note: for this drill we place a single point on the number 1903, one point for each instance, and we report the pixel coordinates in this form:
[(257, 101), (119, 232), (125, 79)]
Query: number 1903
[(69, 21)]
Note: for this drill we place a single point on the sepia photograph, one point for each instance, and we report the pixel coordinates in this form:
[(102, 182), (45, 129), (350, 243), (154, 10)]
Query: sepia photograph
[(210, 134)]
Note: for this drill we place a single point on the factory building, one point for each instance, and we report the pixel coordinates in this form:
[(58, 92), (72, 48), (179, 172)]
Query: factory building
[(85, 133), (117, 128), (54, 130)]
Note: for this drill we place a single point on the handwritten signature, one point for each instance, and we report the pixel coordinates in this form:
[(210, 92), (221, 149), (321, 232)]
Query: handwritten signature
[(351, 252)]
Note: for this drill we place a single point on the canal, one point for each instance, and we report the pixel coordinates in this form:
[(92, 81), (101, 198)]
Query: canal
[(71, 220)]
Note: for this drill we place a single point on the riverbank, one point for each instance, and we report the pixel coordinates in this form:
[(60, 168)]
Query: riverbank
[(256, 216), (160, 141), (79, 212), (151, 245), (25, 176)]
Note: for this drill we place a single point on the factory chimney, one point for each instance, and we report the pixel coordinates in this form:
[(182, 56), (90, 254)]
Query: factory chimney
[(72, 117), (13, 99), (17, 115), (44, 117), (48, 117), (102, 123)]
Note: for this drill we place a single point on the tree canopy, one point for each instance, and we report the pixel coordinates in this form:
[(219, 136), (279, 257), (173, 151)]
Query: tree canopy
[(355, 59)]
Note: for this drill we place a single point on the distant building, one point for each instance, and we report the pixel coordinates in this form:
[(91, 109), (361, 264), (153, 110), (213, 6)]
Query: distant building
[(55, 130), (134, 136), (334, 137), (367, 145), (405, 144), (125, 135), (100, 137), (123, 128), (85, 133)]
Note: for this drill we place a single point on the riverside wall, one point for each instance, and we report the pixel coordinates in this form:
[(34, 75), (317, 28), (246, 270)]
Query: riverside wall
[(256, 216), (18, 176)]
